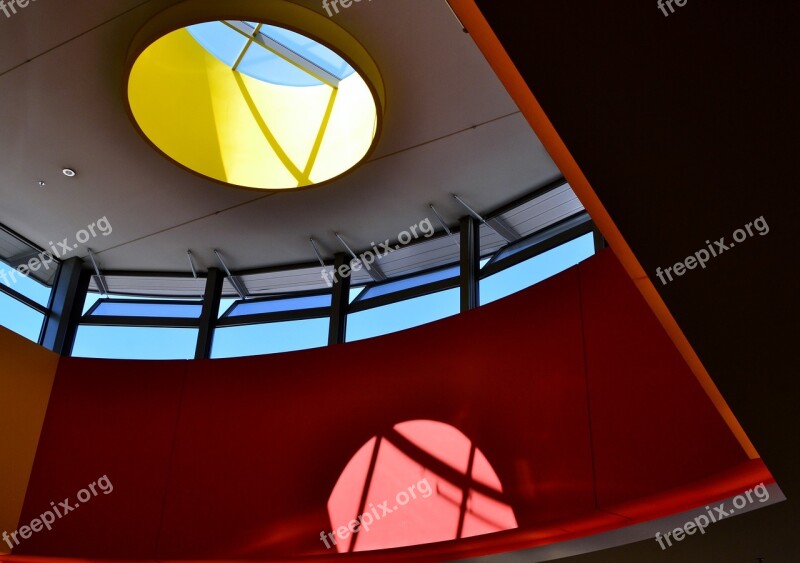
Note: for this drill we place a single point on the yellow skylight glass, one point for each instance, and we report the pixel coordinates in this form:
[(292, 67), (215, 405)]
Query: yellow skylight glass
[(254, 105)]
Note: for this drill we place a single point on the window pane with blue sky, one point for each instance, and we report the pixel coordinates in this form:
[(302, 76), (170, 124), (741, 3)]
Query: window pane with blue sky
[(145, 309), (20, 318), (245, 308), (532, 271), (135, 343), (402, 315), (30, 288), (270, 338)]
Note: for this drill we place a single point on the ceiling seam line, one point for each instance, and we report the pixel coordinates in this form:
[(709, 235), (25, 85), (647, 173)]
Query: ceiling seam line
[(271, 194), (63, 43), (189, 222), (443, 137), (260, 198)]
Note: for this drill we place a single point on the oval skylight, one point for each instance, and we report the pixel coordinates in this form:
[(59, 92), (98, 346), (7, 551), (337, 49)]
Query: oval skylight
[(253, 105)]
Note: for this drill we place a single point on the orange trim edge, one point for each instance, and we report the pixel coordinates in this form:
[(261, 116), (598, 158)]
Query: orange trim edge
[(486, 40)]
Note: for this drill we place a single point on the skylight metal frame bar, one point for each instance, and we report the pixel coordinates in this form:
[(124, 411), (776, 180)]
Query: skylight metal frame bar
[(245, 48), (284, 52)]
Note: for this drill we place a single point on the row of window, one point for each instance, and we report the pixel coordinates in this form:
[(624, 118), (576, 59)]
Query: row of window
[(243, 330)]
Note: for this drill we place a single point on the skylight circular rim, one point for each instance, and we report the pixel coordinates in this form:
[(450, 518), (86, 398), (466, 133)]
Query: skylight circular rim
[(280, 13)]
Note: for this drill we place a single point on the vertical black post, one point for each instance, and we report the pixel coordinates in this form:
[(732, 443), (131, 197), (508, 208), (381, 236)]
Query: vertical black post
[(66, 307), (470, 262), (341, 302), (208, 318), (599, 241)]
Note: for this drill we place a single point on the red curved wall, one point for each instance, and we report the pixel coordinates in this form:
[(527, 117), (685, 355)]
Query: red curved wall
[(571, 389)]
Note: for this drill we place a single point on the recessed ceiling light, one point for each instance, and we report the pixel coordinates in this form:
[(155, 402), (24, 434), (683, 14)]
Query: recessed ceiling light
[(42, 183), (69, 172)]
